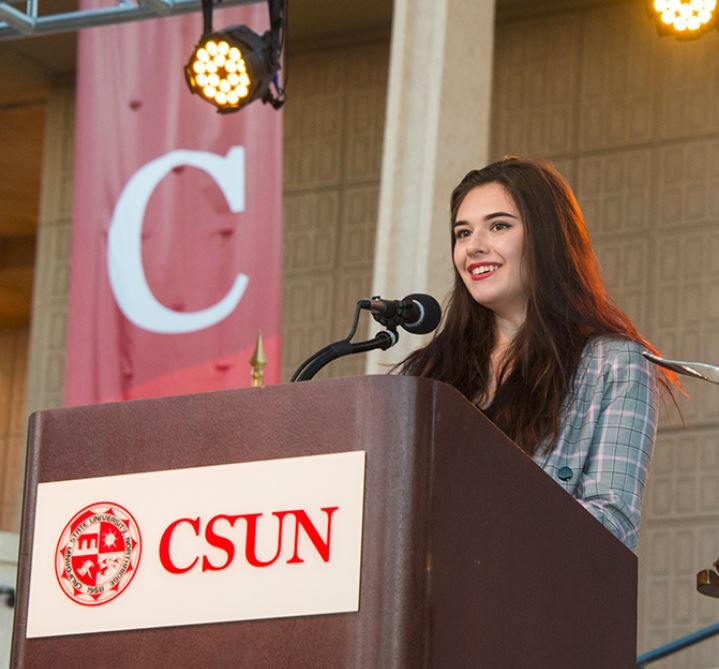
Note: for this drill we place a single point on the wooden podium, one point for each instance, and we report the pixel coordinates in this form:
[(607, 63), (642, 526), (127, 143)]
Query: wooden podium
[(471, 555)]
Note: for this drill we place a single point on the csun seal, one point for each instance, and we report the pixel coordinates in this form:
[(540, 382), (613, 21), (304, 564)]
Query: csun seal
[(98, 553)]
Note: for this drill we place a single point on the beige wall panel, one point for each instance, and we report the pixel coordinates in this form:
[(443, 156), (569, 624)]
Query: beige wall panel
[(534, 96), (686, 319), (688, 189), (333, 147), (313, 128), (307, 317), (615, 192), (618, 56), (568, 168), (328, 265), (367, 66), (311, 223), (688, 86), (357, 233), (625, 267), (308, 164), (685, 477)]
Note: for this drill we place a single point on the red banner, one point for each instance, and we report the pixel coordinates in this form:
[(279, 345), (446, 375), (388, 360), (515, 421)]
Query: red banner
[(176, 255)]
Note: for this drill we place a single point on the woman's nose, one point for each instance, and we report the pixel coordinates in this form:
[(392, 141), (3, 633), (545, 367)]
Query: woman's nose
[(477, 244)]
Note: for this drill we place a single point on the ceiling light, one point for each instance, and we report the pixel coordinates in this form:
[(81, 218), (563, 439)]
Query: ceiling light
[(685, 19), (232, 67)]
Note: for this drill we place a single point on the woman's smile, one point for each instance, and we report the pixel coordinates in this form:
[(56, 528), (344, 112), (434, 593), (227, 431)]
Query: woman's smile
[(481, 270)]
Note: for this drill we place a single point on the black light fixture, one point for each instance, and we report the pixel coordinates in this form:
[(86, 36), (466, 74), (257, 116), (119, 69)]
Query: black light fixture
[(232, 67), (685, 19)]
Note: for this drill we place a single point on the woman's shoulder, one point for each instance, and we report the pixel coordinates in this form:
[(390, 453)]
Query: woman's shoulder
[(610, 348), (612, 367), (615, 356)]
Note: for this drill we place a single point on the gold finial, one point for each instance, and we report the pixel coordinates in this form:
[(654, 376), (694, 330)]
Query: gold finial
[(258, 362)]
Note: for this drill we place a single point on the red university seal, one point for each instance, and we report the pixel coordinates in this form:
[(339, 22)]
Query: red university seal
[(98, 553)]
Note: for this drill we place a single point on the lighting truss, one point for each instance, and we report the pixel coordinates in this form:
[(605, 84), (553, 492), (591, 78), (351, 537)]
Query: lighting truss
[(30, 22)]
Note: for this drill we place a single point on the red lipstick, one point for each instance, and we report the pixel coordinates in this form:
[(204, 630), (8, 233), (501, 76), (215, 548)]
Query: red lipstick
[(485, 274)]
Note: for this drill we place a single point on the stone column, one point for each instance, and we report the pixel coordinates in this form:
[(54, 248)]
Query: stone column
[(437, 129), (46, 356), (46, 370)]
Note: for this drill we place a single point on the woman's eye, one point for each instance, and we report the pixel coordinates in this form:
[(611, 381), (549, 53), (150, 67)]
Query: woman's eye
[(501, 226), (461, 234)]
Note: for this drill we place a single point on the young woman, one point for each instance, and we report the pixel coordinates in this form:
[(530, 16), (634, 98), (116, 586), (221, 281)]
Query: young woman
[(531, 337)]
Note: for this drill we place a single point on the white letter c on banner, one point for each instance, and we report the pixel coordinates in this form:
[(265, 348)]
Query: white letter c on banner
[(124, 244)]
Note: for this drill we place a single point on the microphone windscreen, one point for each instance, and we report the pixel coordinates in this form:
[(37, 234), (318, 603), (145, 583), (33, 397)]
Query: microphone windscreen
[(430, 313)]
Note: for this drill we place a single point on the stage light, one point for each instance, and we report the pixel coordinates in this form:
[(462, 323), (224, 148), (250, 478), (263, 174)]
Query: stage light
[(232, 67), (685, 19)]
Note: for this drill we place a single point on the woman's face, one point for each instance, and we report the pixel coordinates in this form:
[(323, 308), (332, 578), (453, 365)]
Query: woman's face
[(488, 250)]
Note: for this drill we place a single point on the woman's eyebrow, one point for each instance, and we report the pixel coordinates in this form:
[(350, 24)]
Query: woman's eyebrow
[(488, 217), (500, 214)]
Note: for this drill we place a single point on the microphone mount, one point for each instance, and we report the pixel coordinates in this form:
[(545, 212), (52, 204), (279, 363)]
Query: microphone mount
[(391, 314), (382, 340)]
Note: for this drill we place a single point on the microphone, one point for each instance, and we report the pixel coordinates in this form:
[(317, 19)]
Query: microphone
[(416, 313)]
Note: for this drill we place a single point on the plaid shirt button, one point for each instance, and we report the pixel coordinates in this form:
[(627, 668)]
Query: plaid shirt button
[(564, 474)]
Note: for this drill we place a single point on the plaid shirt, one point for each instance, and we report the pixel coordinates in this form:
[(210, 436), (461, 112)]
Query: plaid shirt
[(606, 435)]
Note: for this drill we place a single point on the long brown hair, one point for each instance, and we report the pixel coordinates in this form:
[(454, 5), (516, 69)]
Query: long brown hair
[(567, 305)]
